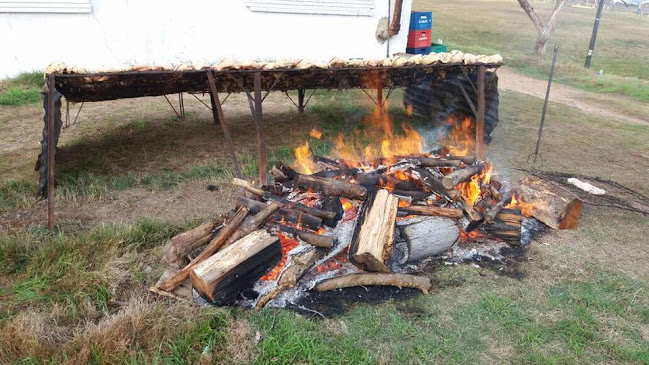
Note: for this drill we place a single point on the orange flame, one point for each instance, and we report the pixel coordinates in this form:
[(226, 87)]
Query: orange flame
[(461, 138), (347, 205), (287, 245), (465, 236), (315, 133), (472, 190), (527, 208), (409, 110), (303, 162)]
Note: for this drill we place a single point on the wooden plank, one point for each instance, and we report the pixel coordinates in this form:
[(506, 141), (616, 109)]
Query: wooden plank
[(259, 124)]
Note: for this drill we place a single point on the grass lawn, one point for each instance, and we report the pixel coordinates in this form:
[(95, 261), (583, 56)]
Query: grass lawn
[(79, 295), (501, 26)]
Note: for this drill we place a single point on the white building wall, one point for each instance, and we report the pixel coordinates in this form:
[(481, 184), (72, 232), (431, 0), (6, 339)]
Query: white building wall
[(160, 32)]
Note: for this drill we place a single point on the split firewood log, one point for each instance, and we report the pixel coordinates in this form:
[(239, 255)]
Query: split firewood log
[(223, 276), (374, 239), (211, 248), (556, 207), (506, 226), (451, 180), (364, 279), (435, 184)]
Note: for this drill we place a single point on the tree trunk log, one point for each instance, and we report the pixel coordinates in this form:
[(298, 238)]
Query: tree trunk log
[(399, 280), (429, 237), (434, 184), (552, 205), (181, 245), (451, 180)]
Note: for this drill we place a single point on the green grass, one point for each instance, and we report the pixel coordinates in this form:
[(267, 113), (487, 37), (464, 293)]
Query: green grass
[(23, 89), (497, 26)]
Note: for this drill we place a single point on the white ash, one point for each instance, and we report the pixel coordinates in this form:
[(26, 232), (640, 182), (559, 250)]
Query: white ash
[(477, 250)]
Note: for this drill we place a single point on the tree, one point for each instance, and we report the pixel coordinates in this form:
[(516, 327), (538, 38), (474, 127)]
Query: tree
[(543, 31)]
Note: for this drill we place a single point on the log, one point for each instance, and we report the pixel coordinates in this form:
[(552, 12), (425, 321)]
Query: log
[(399, 280), (469, 160), (337, 173), (429, 237), (451, 180), (283, 173), (317, 240), (325, 214), (437, 162), (332, 187), (182, 244), (211, 248), (415, 195), (377, 232), (387, 181), (495, 193), (550, 204), (474, 218), (299, 265), (492, 212), (223, 276), (506, 226), (432, 210), (283, 214), (435, 184), (252, 223)]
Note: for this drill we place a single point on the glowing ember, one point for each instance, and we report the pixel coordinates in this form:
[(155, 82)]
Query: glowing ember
[(315, 133), (350, 210), (403, 203), (303, 162), (287, 245), (467, 236), (321, 230)]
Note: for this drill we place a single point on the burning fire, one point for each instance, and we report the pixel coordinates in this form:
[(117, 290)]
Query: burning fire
[(303, 161), (287, 245), (468, 236), (471, 190), (461, 137), (525, 207), (315, 134)]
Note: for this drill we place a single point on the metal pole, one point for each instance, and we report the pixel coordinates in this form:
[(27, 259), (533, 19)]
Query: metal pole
[(300, 101), (479, 130), (545, 103), (51, 89), (593, 36), (259, 123)]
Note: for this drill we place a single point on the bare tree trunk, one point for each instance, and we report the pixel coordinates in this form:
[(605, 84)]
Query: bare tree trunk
[(543, 31)]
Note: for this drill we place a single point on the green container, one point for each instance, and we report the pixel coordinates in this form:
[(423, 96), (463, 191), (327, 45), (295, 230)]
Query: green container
[(438, 48)]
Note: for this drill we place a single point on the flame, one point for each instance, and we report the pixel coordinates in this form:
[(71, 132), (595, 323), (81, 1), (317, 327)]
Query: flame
[(461, 137), (303, 162), (404, 203), (315, 133), (347, 205), (527, 208), (321, 230), (401, 175), (409, 110), (472, 190), (287, 245)]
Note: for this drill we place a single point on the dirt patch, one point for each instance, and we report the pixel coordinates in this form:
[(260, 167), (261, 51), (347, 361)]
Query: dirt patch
[(584, 101)]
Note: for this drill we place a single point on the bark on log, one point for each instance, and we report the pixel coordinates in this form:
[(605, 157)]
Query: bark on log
[(325, 214), (390, 181), (429, 237), (332, 187), (399, 280), (552, 205), (283, 214), (438, 162), (492, 212), (252, 223), (223, 276), (415, 195), (317, 240), (182, 244), (475, 219), (211, 248), (435, 184), (283, 173), (451, 180), (435, 211), (377, 232)]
